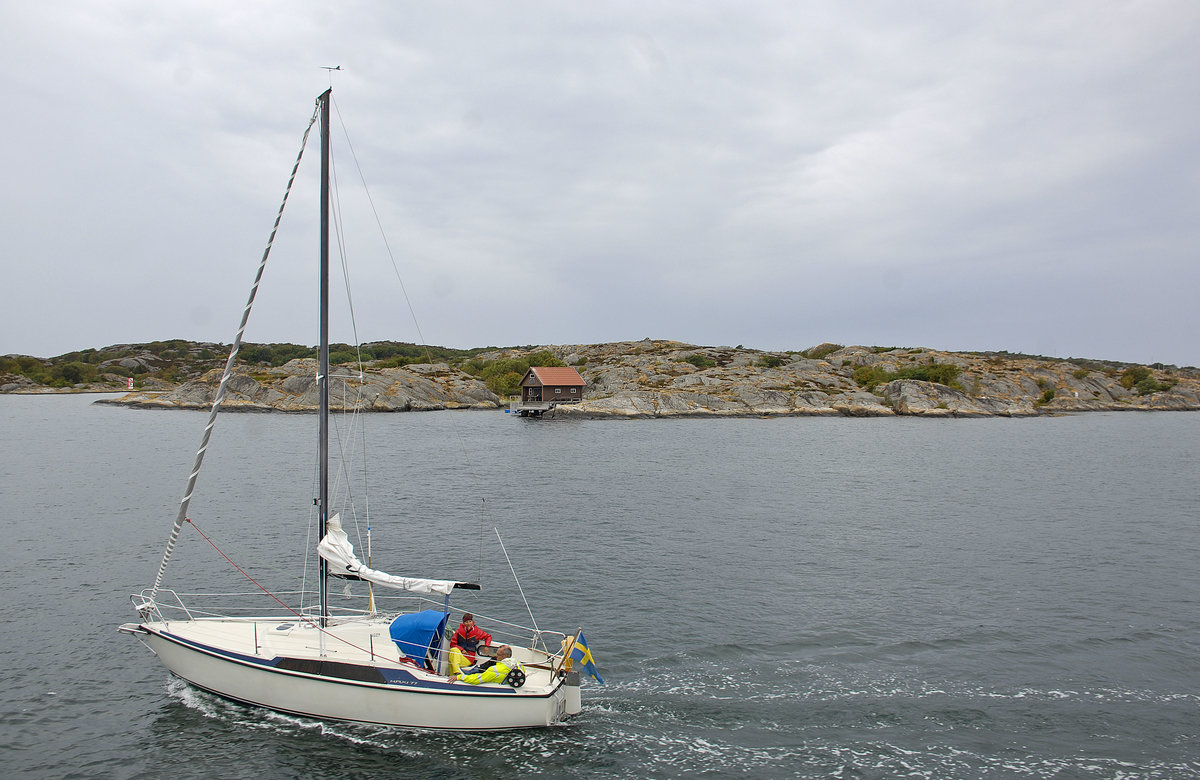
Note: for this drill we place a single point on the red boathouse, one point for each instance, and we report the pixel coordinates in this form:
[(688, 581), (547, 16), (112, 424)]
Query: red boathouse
[(551, 385)]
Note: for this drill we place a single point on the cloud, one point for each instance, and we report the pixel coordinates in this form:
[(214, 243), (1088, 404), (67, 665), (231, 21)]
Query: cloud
[(775, 174)]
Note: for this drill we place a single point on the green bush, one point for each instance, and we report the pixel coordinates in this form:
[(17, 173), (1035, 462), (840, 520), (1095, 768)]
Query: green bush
[(72, 373), (543, 359), (1142, 381), (397, 362), (1047, 396), (1151, 385), (699, 361), (1132, 375), (770, 361), (938, 373), (274, 354), (869, 377), (818, 352), (507, 384)]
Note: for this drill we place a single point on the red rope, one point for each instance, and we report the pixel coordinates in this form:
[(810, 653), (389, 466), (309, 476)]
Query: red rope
[(300, 616)]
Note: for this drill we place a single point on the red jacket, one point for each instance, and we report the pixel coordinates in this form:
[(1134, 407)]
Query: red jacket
[(468, 640)]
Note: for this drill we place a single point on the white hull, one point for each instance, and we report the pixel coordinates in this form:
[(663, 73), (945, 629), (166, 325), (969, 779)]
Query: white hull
[(238, 659)]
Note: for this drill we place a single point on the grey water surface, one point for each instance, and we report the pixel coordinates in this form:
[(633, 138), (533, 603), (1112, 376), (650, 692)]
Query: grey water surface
[(810, 597)]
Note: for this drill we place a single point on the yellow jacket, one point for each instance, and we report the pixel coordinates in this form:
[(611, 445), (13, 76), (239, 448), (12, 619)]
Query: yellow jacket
[(493, 674)]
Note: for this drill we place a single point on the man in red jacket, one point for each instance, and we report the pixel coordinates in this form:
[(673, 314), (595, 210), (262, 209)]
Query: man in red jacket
[(465, 643)]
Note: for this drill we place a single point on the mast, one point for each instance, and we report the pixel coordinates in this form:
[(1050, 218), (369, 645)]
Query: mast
[(323, 370)]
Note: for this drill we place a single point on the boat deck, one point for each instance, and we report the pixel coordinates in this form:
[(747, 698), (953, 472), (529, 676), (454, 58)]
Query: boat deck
[(354, 642)]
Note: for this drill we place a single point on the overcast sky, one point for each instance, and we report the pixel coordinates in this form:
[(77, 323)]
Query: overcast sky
[(957, 175)]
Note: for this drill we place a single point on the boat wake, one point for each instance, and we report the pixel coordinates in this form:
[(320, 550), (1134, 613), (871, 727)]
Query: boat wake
[(242, 716)]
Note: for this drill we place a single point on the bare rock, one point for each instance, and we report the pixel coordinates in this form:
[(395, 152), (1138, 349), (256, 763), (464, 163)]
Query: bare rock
[(293, 388)]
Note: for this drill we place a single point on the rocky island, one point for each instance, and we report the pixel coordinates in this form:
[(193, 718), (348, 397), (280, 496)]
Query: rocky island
[(670, 379), (661, 378)]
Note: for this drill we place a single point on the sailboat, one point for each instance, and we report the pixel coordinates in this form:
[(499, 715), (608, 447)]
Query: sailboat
[(366, 665)]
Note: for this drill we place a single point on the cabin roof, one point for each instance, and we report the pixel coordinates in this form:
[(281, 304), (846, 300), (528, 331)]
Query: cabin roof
[(557, 375)]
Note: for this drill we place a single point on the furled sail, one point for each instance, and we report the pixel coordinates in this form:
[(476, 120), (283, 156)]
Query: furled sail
[(337, 550)]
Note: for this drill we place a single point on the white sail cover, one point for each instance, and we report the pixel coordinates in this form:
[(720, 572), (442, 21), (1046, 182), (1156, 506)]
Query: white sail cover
[(337, 550)]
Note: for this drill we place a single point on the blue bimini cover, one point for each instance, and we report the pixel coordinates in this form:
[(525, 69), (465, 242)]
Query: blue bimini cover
[(419, 634)]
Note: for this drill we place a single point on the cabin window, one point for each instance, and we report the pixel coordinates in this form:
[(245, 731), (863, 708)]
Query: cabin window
[(573, 390), (558, 390)]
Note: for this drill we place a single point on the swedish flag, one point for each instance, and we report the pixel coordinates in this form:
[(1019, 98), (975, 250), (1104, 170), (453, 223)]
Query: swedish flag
[(583, 656)]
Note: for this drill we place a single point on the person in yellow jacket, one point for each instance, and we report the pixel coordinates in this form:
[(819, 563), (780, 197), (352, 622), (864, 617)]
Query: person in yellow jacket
[(489, 671)]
